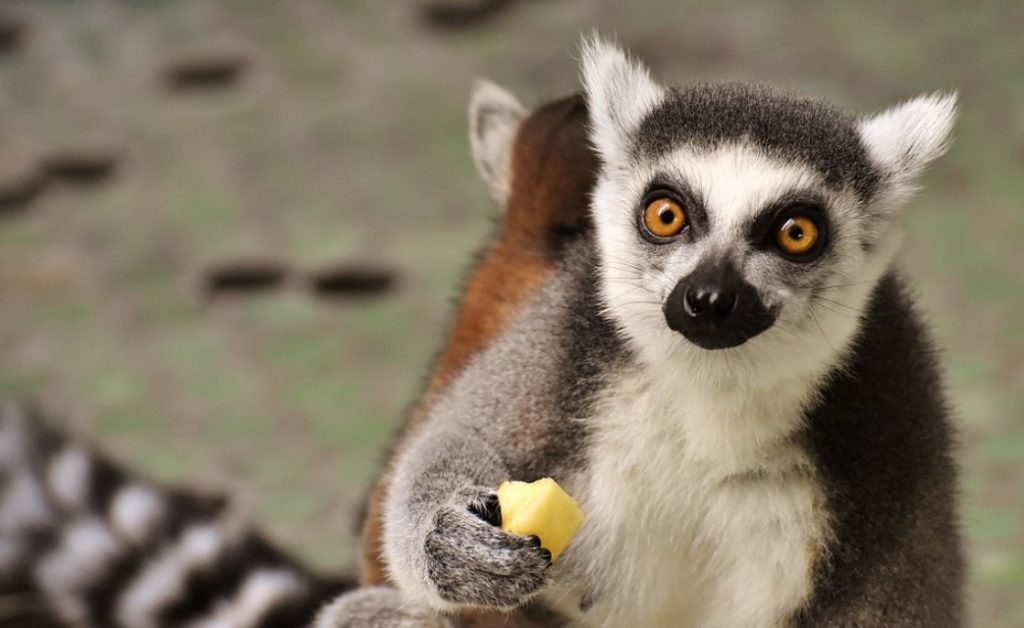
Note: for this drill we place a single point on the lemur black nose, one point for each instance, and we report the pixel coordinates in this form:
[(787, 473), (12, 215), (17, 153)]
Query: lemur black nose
[(715, 308), (709, 302)]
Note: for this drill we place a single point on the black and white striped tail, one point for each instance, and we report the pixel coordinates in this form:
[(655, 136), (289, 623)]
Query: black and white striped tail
[(106, 549)]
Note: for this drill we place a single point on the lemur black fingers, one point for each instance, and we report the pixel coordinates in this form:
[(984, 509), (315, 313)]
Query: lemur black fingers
[(487, 508)]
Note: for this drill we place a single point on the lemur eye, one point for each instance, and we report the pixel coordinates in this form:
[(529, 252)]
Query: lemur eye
[(796, 234), (664, 218)]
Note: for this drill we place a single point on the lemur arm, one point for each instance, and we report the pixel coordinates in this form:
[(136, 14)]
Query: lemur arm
[(441, 534)]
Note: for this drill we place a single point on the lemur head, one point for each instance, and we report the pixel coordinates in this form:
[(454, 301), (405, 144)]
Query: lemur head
[(741, 228)]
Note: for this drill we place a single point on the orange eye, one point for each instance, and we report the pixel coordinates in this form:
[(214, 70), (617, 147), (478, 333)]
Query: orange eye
[(664, 218), (797, 235)]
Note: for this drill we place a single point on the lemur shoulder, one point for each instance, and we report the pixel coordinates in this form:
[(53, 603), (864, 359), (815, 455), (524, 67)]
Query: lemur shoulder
[(727, 372)]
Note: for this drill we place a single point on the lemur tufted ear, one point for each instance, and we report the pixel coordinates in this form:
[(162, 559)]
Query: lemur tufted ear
[(494, 118), (903, 140), (620, 92)]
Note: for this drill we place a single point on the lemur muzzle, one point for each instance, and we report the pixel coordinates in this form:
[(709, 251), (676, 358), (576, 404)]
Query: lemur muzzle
[(714, 308)]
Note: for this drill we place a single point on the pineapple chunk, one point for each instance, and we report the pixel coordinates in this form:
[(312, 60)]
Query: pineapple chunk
[(541, 509)]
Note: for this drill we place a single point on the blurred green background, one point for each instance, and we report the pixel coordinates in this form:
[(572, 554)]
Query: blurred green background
[(147, 144)]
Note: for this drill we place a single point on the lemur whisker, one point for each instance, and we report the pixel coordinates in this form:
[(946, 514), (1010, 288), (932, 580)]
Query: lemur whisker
[(821, 329), (849, 313), (846, 285), (837, 303)]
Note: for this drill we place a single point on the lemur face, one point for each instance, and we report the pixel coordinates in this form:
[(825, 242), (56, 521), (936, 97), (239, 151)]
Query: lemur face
[(742, 227), (732, 241)]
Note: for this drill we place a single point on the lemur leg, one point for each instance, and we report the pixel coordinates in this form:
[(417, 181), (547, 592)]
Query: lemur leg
[(378, 607)]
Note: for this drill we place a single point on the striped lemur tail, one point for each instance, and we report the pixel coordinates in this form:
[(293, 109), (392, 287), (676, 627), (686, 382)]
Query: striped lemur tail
[(105, 548)]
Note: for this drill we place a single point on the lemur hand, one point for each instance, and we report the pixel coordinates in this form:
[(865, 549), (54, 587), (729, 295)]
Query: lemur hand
[(470, 560)]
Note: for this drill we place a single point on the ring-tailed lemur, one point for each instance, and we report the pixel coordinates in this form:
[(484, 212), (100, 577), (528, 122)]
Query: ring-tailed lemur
[(43, 470), (729, 376)]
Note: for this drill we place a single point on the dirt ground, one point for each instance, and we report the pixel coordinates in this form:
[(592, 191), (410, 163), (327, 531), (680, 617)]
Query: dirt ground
[(230, 230)]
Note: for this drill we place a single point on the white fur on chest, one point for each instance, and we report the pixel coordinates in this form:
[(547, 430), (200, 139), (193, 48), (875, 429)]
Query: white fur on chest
[(700, 510)]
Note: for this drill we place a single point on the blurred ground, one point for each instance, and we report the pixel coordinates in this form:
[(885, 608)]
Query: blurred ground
[(287, 145)]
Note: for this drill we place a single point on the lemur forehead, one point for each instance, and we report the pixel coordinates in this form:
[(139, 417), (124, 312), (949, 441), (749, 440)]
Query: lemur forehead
[(783, 125)]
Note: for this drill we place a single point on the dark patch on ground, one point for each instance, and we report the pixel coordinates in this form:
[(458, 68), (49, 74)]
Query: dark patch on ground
[(13, 32), (353, 280), (244, 277), (455, 15), (201, 71), (81, 166)]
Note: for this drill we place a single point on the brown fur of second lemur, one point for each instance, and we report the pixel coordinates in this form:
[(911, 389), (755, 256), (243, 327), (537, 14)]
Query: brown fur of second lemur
[(553, 170)]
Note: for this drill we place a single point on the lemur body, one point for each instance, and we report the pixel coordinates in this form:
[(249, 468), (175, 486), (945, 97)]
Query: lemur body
[(728, 374)]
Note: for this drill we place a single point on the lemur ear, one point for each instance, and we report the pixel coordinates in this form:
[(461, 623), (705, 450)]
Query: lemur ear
[(903, 140), (494, 118), (620, 92)]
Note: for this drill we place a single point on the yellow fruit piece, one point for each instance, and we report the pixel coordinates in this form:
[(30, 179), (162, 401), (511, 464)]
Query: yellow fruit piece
[(540, 509)]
